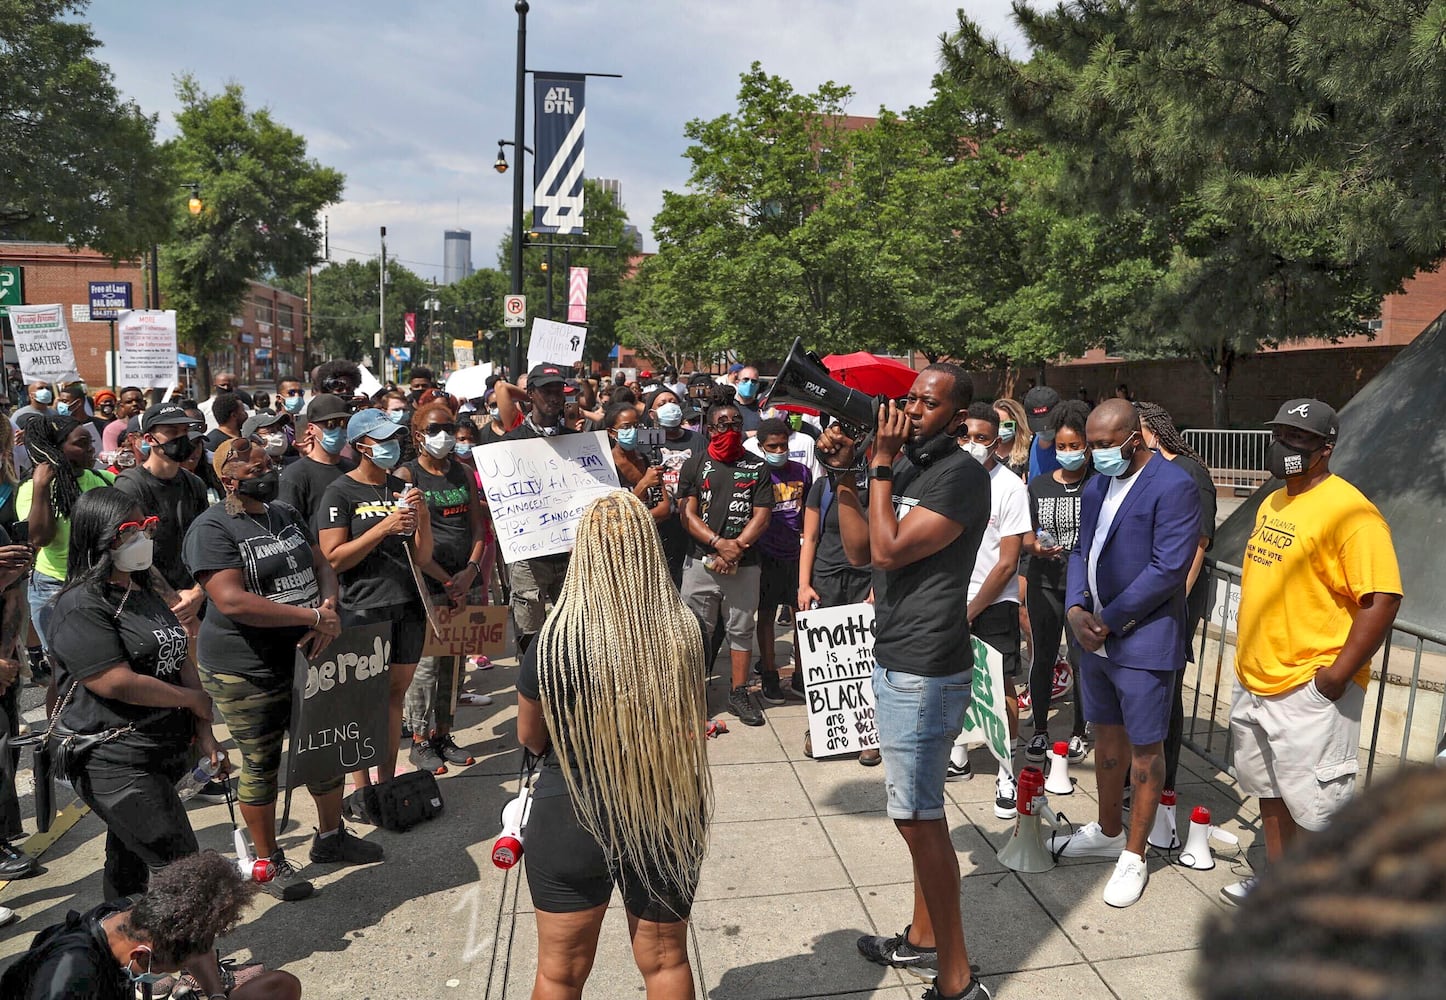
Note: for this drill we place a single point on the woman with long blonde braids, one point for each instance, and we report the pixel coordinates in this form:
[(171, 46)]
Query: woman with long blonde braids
[(612, 696)]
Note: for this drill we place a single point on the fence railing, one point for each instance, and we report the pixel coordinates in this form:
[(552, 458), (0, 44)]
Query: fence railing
[(1234, 458), (1405, 713)]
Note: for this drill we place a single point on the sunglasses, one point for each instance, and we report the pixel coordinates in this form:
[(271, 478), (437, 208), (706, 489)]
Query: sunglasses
[(128, 529), (728, 425), (295, 392), (330, 425), (339, 386), (441, 428)]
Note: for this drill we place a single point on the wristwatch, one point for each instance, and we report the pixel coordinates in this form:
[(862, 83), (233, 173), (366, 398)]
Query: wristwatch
[(884, 472)]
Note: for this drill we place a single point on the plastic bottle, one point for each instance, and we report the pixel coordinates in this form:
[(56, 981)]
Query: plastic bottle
[(196, 778), (1046, 540)]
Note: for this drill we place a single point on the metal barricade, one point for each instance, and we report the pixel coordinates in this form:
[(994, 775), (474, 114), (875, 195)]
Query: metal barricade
[(1234, 458), (1397, 704)]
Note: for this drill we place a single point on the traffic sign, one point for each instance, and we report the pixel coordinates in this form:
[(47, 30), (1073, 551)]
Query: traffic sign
[(12, 287), (514, 310)]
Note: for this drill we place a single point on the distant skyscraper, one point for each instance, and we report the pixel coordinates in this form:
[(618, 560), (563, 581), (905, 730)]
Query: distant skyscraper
[(612, 188), (456, 255)]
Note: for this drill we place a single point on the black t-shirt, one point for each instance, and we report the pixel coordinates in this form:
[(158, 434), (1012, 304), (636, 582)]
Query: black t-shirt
[(526, 431), (304, 481), (727, 493), (922, 608), (383, 578), (449, 501), (829, 558), (1054, 507), (486, 434), (216, 439), (1196, 599), (70, 959), (177, 501), (273, 553), (91, 636)]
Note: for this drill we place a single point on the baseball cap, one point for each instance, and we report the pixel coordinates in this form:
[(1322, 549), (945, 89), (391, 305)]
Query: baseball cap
[(545, 374), (1309, 415), (1038, 403), (736, 366), (257, 421), (371, 423), (327, 405), (164, 413)]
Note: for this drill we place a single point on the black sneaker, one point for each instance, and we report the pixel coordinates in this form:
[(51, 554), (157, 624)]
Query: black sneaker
[(426, 758), (1038, 747), (448, 750), (341, 848), (212, 791), (758, 667), (974, 991), (900, 954), (771, 692), (741, 705), (355, 808), (959, 772), (406, 734), (795, 685), (286, 883), (15, 863)]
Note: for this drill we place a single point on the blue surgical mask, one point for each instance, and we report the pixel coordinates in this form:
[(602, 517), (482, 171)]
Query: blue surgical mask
[(1006, 430), (145, 450), (44, 397), (333, 439), (1070, 461), (386, 454), (670, 415), (777, 461), (462, 449), (495, 414), (1111, 461), (747, 389), (63, 409), (628, 438), (396, 416), (293, 404)]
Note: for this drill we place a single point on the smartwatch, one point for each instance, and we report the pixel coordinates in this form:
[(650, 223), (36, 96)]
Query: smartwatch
[(884, 472)]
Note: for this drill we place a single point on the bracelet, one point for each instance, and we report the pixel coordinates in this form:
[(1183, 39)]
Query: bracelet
[(713, 541), (318, 618), (476, 566)]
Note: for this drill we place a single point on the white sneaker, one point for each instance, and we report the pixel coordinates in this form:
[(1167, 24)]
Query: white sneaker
[(1127, 884), (1235, 892), (1089, 841), (1004, 805), (7, 915)]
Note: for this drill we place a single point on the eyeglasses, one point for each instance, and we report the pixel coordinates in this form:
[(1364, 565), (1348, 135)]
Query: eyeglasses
[(128, 529), (441, 428), (1006, 425), (728, 425), (296, 392), (332, 424), (340, 386)]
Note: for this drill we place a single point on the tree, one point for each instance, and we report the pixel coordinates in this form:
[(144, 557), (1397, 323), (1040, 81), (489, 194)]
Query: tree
[(81, 164), (344, 308), (1287, 151), (262, 197)]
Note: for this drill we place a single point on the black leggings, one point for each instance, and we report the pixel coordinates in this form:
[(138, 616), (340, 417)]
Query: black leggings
[(1046, 628)]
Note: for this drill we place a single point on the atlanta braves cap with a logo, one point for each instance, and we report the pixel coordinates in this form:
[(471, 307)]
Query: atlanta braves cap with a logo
[(1309, 415)]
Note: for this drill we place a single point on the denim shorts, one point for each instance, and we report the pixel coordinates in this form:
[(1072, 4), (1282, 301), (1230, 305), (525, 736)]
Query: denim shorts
[(918, 719)]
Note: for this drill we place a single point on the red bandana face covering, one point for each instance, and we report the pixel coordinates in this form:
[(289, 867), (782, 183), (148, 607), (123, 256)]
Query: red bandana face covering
[(726, 446)]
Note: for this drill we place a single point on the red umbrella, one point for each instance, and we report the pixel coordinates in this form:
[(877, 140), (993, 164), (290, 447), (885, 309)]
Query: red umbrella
[(867, 373)]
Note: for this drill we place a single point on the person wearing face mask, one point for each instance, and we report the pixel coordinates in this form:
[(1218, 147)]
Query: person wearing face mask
[(635, 471), (1039, 403), (319, 444), (1319, 590), (42, 401), (71, 401), (124, 670), (727, 501), (161, 486), (679, 445), (1015, 440), (779, 552), (290, 396), (105, 411), (460, 539), (271, 593), (273, 432), (1054, 514), (365, 523), (1125, 600), (749, 389)]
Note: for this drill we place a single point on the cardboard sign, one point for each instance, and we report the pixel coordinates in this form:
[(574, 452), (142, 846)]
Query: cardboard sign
[(555, 343), (339, 706), (835, 651), (537, 489), (147, 339), (42, 342), (472, 630), (987, 721), (469, 383)]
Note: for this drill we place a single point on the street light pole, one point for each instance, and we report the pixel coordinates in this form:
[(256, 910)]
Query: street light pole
[(514, 354), (382, 310)]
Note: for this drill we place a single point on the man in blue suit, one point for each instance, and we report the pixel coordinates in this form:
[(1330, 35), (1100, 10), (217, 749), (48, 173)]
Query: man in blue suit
[(1125, 595)]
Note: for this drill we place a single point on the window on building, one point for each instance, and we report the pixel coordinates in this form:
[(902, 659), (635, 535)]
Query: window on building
[(285, 316), (265, 311)]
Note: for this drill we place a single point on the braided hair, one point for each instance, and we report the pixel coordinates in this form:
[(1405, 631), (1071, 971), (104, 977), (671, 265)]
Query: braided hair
[(45, 436), (1157, 418)]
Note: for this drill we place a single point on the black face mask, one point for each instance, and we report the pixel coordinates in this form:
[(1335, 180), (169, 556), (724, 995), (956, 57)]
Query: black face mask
[(178, 449), (264, 487), (1285, 461), (926, 454)]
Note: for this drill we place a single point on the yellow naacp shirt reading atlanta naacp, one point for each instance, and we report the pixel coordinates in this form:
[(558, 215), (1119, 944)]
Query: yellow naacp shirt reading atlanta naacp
[(1308, 563)]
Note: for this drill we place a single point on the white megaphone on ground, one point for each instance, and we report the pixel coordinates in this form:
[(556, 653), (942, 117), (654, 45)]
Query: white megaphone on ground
[(1163, 834), (252, 868), (1058, 782), (508, 849), (1197, 845), (1025, 850)]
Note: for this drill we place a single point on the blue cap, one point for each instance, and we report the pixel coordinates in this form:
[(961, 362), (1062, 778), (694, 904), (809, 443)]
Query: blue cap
[(370, 423)]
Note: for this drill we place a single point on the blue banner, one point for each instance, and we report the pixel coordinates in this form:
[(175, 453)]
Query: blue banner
[(558, 120)]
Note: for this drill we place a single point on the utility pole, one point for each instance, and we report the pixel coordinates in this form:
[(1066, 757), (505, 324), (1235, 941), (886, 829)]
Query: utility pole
[(382, 310), (514, 334)]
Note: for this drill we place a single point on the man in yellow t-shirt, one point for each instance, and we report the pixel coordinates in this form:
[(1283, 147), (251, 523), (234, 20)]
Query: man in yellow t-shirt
[(1319, 591)]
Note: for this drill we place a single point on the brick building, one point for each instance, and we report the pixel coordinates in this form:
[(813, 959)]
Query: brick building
[(267, 338)]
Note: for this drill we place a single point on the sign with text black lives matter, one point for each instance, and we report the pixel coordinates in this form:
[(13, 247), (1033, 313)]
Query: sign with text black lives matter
[(835, 651), (339, 706), (42, 344)]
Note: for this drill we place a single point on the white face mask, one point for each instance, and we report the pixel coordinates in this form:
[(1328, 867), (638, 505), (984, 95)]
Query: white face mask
[(439, 445), (276, 444), (979, 452), (135, 555)]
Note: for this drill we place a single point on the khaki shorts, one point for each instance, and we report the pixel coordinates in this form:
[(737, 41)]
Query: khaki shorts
[(1298, 746)]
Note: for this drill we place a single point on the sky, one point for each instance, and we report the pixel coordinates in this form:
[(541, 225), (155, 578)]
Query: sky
[(408, 99)]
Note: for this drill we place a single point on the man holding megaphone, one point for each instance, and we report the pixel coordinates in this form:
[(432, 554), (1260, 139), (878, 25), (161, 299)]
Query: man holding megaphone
[(928, 507)]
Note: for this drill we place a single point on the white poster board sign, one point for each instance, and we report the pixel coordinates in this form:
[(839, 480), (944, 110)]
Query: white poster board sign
[(148, 353), (370, 385), (555, 343), (987, 721), (42, 344), (469, 383), (537, 489), (835, 651)]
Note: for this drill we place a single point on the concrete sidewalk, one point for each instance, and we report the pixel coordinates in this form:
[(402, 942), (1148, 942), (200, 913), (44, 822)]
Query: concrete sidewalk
[(802, 862)]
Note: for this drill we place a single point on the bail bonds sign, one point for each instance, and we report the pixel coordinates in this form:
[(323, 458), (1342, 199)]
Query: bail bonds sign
[(559, 116)]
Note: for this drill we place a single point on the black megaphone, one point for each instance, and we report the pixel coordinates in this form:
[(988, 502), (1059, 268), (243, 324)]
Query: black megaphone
[(804, 381)]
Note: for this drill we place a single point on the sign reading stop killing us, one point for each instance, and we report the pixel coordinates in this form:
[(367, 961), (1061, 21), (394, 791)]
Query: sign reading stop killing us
[(835, 651), (339, 706)]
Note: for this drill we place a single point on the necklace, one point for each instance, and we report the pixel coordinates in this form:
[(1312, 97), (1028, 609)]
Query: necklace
[(264, 527), (1073, 488)]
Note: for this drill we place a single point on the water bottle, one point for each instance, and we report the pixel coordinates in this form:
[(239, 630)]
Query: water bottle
[(1046, 539), (195, 779)]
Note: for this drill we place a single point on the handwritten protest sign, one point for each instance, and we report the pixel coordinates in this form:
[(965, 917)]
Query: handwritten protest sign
[(555, 343), (986, 720), (339, 706), (471, 630), (835, 651), (537, 489), (42, 342), (147, 347)]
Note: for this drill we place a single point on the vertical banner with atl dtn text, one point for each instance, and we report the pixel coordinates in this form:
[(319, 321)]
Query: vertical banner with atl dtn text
[(558, 117)]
